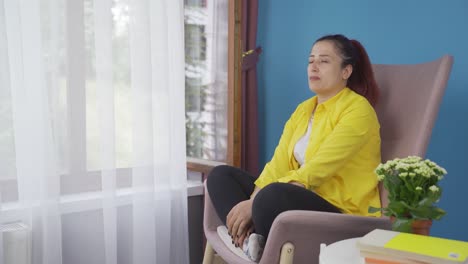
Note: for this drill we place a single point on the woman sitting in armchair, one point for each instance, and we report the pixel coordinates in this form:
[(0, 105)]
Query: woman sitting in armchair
[(326, 156)]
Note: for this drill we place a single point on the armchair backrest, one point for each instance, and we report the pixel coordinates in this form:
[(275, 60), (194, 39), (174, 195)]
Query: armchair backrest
[(409, 101)]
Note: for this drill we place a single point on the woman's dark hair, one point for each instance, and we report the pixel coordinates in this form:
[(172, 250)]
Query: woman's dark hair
[(362, 79)]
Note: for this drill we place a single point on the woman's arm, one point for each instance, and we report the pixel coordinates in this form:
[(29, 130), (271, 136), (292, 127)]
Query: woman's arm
[(279, 163), (256, 190)]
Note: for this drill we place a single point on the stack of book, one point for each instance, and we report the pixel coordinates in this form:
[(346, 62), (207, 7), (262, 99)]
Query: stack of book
[(389, 247)]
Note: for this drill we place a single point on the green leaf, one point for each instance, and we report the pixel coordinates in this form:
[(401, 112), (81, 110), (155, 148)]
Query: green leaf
[(398, 208), (372, 210), (394, 180), (428, 201), (428, 212), (402, 225)]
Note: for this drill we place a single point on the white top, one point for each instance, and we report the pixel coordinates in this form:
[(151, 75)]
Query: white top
[(301, 145)]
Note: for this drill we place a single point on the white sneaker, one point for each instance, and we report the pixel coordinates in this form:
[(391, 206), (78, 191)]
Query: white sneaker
[(253, 246), (223, 234)]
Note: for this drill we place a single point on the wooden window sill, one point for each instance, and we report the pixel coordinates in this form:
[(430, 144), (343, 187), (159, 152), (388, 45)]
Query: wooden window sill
[(202, 165)]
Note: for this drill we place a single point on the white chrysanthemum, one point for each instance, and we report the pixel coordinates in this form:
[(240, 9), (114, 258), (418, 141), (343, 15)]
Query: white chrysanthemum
[(419, 188), (386, 166), (403, 174), (402, 166), (424, 171), (380, 177), (413, 159), (430, 163), (434, 188), (379, 167)]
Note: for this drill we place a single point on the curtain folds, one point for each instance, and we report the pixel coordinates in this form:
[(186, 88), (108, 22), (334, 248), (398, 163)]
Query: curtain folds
[(93, 104), (250, 147)]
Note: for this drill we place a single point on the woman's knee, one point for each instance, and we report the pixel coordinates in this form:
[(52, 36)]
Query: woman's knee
[(268, 196), (217, 176), (267, 205)]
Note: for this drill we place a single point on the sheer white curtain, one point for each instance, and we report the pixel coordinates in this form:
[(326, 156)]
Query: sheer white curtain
[(92, 129)]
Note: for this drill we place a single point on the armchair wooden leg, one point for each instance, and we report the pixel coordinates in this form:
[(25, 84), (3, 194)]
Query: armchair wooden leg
[(287, 253), (209, 254)]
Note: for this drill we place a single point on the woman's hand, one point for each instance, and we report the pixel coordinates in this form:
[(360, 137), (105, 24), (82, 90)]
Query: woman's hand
[(239, 221), (240, 241)]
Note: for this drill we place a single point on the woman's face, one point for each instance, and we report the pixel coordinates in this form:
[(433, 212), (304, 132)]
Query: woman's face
[(326, 76)]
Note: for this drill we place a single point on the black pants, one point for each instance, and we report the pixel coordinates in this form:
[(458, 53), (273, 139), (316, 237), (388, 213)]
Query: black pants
[(228, 186)]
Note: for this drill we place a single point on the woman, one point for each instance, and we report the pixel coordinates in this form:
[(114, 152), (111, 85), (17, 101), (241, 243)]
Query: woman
[(326, 156)]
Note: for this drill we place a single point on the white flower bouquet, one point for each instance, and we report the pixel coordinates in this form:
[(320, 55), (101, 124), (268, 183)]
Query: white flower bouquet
[(412, 185)]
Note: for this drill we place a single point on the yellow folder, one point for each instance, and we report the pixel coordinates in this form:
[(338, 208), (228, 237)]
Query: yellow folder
[(425, 249)]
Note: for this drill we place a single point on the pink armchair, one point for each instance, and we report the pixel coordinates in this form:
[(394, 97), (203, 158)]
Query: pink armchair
[(408, 107)]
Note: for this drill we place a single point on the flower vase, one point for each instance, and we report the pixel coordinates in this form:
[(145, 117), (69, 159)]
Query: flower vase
[(418, 226), (421, 227)]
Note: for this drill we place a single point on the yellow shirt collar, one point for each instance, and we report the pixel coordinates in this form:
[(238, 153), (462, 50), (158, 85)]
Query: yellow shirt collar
[(330, 102)]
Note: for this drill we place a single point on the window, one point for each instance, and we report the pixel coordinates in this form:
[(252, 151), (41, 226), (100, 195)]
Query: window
[(195, 3), (71, 39), (121, 79), (206, 56), (195, 44), (7, 146)]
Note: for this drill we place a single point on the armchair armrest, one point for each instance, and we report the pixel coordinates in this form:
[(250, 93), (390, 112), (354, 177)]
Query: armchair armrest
[(210, 219), (306, 230)]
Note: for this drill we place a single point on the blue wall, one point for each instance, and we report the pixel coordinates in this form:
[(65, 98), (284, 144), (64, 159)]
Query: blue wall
[(397, 31)]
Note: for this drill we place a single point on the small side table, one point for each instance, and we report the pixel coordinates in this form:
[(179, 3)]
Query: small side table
[(344, 251)]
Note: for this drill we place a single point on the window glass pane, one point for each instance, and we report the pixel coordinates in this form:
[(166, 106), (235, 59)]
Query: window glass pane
[(92, 125), (195, 3), (206, 85), (206, 53), (121, 84), (7, 145)]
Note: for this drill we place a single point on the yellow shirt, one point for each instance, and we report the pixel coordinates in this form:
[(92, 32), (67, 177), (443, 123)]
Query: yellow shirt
[(341, 156)]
